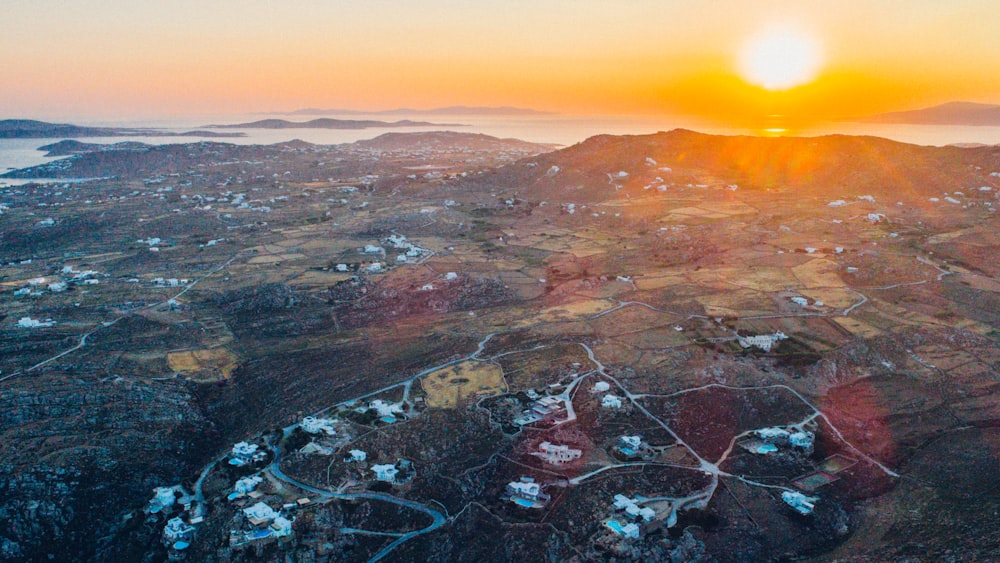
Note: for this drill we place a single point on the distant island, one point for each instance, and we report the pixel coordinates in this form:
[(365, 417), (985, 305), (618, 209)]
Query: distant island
[(32, 129), (450, 110), (952, 113), (327, 123)]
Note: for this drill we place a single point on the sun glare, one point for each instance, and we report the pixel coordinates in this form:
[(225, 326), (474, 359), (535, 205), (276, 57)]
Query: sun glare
[(780, 58)]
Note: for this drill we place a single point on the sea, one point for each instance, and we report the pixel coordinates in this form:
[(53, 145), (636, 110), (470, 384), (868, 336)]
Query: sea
[(562, 130)]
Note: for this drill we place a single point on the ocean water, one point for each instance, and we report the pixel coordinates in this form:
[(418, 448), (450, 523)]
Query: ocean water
[(562, 130)]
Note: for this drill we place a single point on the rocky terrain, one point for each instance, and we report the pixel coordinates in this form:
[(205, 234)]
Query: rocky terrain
[(765, 322)]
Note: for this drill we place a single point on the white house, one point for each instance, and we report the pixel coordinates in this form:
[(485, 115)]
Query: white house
[(356, 456), (282, 527), (260, 513), (177, 529), (28, 322), (802, 504), (314, 425), (163, 497), (600, 387), (557, 454), (57, 287), (631, 442), (385, 472), (762, 341), (802, 439), (611, 402), (528, 490), (773, 435), (247, 484), (385, 409)]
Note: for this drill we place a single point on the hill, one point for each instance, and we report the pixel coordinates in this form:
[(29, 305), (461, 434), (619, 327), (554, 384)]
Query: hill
[(327, 123), (952, 113), (32, 129), (806, 166), (450, 110)]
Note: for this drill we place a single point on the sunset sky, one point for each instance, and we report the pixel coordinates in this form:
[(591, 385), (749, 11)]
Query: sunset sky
[(117, 59)]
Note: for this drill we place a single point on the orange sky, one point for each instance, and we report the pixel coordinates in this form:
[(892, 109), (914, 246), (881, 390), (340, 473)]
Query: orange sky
[(116, 59)]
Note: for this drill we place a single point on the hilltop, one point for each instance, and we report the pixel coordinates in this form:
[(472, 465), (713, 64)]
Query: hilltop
[(951, 113), (450, 110), (807, 166), (32, 129), (327, 123)]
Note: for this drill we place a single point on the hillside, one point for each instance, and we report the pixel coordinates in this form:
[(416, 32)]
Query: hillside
[(806, 166), (32, 129), (952, 113), (328, 123)]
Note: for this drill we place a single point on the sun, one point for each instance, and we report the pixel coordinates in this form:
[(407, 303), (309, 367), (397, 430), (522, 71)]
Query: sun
[(780, 58)]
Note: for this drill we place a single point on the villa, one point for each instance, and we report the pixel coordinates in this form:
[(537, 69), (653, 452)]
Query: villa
[(557, 454)]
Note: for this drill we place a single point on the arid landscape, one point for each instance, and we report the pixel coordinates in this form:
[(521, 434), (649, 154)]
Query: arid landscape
[(666, 347)]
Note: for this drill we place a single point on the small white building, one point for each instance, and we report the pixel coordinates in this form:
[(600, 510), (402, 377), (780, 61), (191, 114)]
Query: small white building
[(802, 439), (282, 527), (385, 409), (762, 341), (385, 472), (611, 402), (355, 456), (633, 443), (244, 453), (802, 504), (557, 454), (450, 276), (163, 497), (314, 425), (600, 387), (28, 322), (260, 513), (773, 435), (528, 490), (177, 530), (247, 484)]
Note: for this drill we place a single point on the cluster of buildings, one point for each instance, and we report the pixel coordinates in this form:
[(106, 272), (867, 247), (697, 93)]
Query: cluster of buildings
[(69, 277), (170, 282), (762, 341), (178, 532), (409, 251), (609, 400), (774, 437), (28, 322), (266, 524)]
